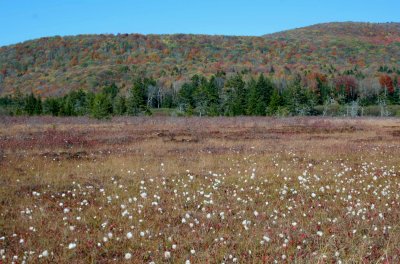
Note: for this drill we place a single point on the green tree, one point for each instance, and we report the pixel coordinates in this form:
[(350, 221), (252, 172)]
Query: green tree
[(300, 101), (168, 99), (235, 98), (323, 90), (102, 106), (111, 90), (90, 96), (67, 106), (30, 106), (136, 102), (38, 106), (260, 93), (186, 97), (275, 103), (120, 105), (75, 103), (19, 102), (78, 101), (206, 97), (52, 106), (252, 97)]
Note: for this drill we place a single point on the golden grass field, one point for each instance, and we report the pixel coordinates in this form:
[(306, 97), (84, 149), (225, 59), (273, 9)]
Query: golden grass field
[(199, 190)]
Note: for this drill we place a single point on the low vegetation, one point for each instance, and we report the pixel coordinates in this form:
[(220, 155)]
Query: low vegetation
[(199, 190)]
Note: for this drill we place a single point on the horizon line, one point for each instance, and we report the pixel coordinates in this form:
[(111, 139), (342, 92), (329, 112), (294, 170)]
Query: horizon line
[(200, 34)]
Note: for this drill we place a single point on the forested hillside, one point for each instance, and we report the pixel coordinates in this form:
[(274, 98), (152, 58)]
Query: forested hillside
[(57, 65), (325, 64)]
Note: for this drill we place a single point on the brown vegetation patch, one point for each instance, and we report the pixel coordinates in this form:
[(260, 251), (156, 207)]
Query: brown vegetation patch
[(66, 155), (230, 183)]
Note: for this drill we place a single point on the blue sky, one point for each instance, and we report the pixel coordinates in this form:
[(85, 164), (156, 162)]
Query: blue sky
[(22, 20)]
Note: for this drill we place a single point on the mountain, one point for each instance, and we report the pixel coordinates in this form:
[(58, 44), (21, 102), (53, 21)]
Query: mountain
[(52, 66)]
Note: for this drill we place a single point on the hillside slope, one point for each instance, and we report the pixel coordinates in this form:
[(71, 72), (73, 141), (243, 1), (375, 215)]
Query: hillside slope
[(56, 65)]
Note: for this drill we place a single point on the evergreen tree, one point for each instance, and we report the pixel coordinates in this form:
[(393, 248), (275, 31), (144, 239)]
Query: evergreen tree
[(236, 96), (52, 106), (168, 100), (275, 103), (38, 106), (30, 104), (252, 97), (75, 103), (111, 90), (120, 105), (299, 100), (206, 97), (323, 91), (396, 93), (90, 96), (19, 102), (213, 98), (79, 102), (67, 106), (186, 97), (136, 102), (259, 95), (102, 106)]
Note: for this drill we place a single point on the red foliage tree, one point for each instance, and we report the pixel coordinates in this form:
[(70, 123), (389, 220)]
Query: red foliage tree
[(348, 84), (386, 83)]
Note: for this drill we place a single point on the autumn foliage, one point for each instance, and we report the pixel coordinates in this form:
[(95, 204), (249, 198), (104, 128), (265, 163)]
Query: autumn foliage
[(386, 82), (53, 66)]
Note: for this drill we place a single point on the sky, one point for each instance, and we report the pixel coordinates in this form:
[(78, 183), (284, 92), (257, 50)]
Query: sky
[(22, 20)]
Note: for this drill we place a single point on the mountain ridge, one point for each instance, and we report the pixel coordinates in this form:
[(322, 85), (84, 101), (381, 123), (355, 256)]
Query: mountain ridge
[(397, 24)]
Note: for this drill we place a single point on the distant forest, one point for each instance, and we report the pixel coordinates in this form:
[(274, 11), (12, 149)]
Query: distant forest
[(218, 95), (326, 69)]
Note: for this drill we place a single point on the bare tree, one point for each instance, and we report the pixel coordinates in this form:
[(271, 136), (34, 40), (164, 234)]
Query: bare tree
[(151, 94), (354, 107), (383, 107)]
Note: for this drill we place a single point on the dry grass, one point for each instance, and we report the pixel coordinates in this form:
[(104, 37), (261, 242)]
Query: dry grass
[(246, 190)]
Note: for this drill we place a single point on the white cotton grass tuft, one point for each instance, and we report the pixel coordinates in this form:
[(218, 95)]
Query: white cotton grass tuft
[(266, 239), (167, 255), (72, 245)]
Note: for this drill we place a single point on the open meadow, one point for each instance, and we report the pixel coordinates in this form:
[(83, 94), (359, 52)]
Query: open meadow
[(199, 190)]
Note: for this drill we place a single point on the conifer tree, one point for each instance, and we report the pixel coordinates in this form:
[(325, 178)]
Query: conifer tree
[(111, 90), (236, 99), (120, 105), (38, 106), (102, 106), (275, 103), (252, 97), (137, 99), (30, 104), (259, 95)]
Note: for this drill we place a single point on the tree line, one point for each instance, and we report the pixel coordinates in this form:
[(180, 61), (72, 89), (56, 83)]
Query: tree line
[(215, 96)]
